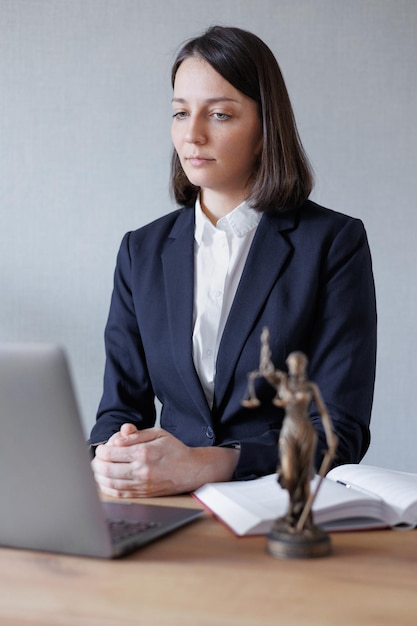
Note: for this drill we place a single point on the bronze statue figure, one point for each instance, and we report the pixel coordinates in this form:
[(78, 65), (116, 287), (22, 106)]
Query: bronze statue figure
[(295, 534)]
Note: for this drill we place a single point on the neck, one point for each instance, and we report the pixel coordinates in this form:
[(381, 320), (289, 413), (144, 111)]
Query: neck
[(215, 206)]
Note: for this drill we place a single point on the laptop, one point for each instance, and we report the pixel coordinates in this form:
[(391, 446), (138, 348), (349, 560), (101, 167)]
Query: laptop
[(48, 494)]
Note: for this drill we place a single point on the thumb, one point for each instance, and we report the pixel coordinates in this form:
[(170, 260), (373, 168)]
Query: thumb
[(128, 429)]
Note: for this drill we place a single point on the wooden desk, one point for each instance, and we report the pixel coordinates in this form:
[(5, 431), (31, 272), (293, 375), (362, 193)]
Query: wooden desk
[(204, 576)]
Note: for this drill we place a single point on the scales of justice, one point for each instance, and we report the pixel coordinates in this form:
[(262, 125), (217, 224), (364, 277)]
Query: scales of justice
[(295, 535)]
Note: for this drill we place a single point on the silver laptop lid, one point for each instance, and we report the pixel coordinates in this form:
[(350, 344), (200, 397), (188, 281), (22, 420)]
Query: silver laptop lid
[(43, 505)]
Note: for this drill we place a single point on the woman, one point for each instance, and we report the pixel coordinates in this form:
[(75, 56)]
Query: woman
[(194, 289)]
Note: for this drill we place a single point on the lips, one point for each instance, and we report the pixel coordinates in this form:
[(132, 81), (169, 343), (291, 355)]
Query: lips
[(198, 161)]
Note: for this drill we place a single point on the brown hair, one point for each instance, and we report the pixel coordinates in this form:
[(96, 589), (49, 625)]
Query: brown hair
[(283, 178)]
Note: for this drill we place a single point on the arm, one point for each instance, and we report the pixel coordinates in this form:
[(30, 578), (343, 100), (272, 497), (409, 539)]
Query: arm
[(137, 459), (127, 390), (342, 348), (331, 317)]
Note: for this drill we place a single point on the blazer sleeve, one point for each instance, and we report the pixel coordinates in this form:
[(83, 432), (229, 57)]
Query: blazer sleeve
[(338, 332), (127, 390), (342, 347)]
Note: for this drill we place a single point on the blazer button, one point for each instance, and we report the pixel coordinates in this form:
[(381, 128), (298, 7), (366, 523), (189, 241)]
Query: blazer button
[(209, 432)]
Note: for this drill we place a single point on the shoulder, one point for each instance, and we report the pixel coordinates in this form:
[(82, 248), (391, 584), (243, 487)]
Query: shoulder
[(316, 231), (331, 234), (311, 213), (166, 223), (156, 233), (312, 221)]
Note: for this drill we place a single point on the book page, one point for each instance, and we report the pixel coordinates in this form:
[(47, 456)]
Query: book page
[(398, 489), (248, 507), (251, 507)]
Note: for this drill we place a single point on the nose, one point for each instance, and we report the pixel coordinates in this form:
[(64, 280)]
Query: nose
[(195, 132)]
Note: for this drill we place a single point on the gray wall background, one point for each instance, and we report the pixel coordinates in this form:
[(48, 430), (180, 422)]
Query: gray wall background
[(84, 156)]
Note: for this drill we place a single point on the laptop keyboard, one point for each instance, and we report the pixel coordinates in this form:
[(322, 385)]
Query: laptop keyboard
[(122, 529)]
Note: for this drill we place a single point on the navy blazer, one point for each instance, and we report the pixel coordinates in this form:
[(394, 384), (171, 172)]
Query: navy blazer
[(308, 277)]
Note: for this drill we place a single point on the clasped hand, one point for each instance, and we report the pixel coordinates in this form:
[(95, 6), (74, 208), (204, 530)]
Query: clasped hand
[(152, 462)]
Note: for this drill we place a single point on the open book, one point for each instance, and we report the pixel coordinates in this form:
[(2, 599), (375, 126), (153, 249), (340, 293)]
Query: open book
[(350, 497)]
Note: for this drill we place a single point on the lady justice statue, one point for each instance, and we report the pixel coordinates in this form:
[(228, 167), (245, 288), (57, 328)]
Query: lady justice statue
[(295, 535)]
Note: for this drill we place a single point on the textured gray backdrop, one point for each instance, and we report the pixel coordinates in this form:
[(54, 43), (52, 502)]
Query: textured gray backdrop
[(84, 156)]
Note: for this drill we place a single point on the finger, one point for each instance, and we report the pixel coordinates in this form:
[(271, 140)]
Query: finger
[(150, 434), (125, 489), (137, 436), (121, 480), (120, 493), (119, 488), (115, 453), (128, 429), (124, 435), (112, 439), (116, 471)]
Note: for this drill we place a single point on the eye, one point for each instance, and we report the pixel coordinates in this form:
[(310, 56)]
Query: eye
[(221, 116), (179, 115)]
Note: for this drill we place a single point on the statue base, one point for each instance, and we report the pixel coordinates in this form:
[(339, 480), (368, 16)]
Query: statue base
[(285, 542)]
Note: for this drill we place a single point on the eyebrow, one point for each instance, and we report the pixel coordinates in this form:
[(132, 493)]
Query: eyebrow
[(208, 100)]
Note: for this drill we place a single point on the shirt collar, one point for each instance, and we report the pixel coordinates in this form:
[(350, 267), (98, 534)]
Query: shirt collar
[(238, 222)]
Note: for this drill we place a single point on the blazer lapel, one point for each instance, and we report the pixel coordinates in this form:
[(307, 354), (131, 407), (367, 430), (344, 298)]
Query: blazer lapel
[(266, 259), (178, 268)]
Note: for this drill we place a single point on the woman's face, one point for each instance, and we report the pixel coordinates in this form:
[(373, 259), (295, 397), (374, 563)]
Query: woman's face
[(216, 132)]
